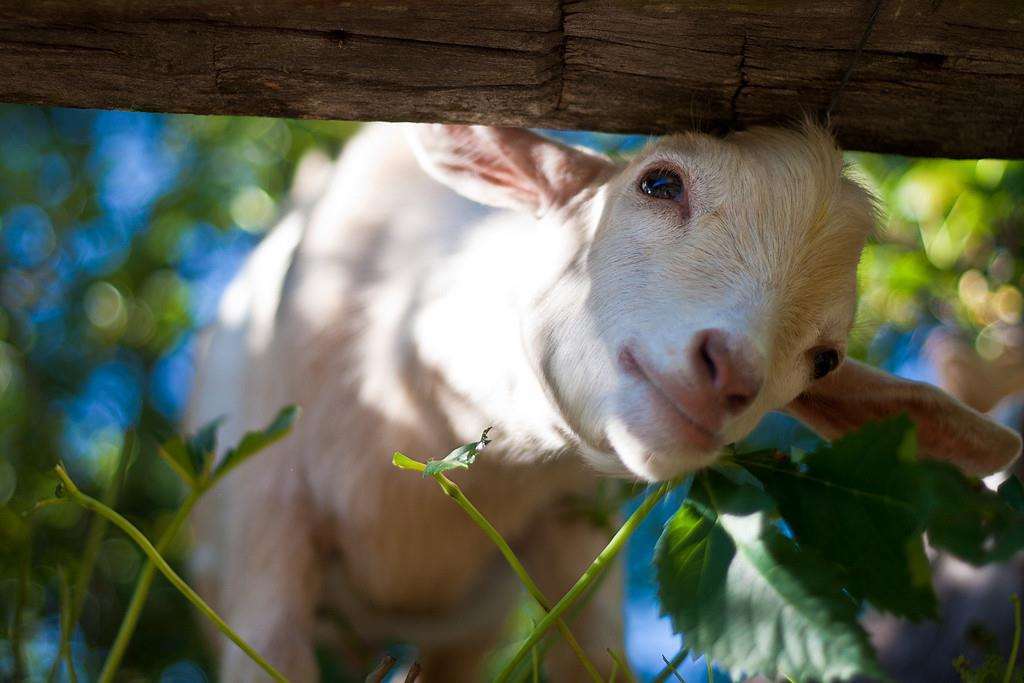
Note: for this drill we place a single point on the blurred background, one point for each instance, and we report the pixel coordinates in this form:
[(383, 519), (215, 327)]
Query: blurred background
[(119, 230)]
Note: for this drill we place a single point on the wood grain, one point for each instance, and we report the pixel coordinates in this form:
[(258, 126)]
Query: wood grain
[(936, 78)]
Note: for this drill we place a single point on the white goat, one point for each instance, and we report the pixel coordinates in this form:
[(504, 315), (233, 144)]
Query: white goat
[(626, 319)]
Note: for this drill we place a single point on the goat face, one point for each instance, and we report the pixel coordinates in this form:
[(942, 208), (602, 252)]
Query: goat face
[(710, 281), (718, 283)]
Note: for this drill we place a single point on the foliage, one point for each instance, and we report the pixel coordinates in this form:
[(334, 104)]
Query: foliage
[(995, 668), (462, 457), (948, 251), (857, 503), (768, 573), (200, 454), (755, 601), (117, 232), (201, 450), (769, 562)]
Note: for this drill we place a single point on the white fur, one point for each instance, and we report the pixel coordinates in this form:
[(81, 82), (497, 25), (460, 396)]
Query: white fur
[(404, 317)]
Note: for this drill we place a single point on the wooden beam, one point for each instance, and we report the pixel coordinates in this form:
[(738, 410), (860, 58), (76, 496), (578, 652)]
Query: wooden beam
[(936, 77)]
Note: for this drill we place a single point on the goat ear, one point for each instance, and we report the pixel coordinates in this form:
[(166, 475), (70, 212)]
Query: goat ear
[(947, 429), (509, 168)]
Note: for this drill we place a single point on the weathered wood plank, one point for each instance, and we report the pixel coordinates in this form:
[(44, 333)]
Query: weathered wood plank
[(937, 77)]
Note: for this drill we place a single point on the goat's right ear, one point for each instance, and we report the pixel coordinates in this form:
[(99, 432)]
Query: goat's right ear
[(855, 394), (509, 168)]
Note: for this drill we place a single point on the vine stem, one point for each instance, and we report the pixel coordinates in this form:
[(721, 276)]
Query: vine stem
[(90, 503), (671, 666), (141, 592), (18, 628), (64, 653), (593, 572), (621, 664), (94, 538), (1016, 639), (453, 491)]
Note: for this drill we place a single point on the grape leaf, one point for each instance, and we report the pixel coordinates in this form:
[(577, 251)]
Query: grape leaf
[(967, 519), (188, 456), (856, 502), (462, 457), (1012, 493), (730, 488), (754, 601), (253, 442)]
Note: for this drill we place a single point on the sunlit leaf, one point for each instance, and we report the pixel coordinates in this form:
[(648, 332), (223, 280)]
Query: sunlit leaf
[(189, 457), (462, 457), (857, 503), (751, 599), (253, 442)]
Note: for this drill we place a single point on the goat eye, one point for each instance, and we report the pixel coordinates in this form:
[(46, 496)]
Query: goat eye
[(662, 184), (825, 361)]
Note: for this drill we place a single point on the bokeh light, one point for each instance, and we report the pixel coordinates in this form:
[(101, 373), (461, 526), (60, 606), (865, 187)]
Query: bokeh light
[(119, 231)]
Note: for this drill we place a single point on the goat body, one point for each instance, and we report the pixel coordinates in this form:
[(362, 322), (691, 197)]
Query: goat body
[(627, 319)]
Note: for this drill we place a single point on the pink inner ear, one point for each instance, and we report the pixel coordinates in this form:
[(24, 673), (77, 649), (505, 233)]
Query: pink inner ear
[(506, 167), (947, 429)]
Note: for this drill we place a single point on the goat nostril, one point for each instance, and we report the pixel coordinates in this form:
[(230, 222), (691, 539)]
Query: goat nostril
[(737, 402), (727, 368), (708, 359)]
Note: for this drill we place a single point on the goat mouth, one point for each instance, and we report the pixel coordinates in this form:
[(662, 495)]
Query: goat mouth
[(693, 430)]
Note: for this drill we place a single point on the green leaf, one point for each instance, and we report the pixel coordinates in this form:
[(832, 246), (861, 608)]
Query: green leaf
[(189, 457), (967, 519), (1012, 493), (462, 457), (730, 488), (253, 442), (754, 601), (856, 502), (202, 446)]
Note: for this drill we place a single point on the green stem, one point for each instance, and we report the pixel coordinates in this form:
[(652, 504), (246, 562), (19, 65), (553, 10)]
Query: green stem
[(453, 491), (593, 572), (142, 586), (128, 528), (94, 538), (18, 627), (671, 666), (65, 628), (1016, 639), (98, 529), (535, 666), (621, 664)]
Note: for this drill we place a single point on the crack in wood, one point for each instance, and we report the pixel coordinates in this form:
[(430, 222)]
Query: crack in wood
[(740, 86), (30, 46), (561, 57)]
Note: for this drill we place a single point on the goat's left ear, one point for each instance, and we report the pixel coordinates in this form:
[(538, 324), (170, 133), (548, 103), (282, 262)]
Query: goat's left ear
[(855, 394), (510, 168)]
